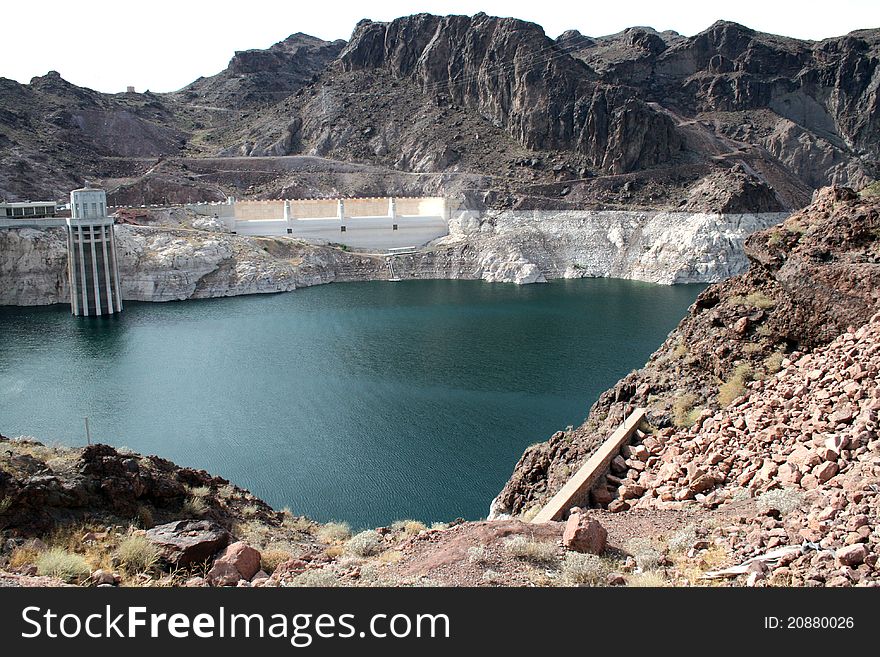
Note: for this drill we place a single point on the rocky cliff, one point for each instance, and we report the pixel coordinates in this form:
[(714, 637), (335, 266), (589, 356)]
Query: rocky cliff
[(809, 279)]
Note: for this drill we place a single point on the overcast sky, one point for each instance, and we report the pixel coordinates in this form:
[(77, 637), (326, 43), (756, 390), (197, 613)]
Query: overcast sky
[(163, 45)]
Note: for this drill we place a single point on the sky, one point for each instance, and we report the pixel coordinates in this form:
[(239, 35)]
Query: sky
[(162, 45)]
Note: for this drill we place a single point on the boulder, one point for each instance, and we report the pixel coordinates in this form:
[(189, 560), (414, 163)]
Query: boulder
[(851, 555), (185, 542), (584, 534), (238, 561)]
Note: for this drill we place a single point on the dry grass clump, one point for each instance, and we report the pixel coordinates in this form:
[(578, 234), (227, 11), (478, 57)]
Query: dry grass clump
[(649, 579), (334, 532), (67, 566), (136, 554), (774, 362), (272, 558), (735, 386), (530, 550), (584, 569), (684, 415), (193, 506), (755, 299), (408, 527)]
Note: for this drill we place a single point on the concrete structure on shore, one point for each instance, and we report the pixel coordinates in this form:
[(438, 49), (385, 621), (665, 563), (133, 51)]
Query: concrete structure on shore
[(91, 255), (360, 223), (29, 214)]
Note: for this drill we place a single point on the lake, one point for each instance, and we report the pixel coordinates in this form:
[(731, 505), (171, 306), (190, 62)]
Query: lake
[(361, 402)]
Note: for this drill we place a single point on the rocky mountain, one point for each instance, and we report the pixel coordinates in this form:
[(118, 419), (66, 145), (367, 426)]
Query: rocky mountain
[(489, 110), (258, 78)]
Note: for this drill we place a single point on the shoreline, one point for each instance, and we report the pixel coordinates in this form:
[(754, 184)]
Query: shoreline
[(160, 263)]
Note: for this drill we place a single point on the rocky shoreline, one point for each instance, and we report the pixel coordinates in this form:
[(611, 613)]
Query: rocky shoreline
[(165, 263)]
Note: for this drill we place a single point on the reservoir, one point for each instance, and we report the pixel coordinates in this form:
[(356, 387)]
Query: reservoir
[(360, 402)]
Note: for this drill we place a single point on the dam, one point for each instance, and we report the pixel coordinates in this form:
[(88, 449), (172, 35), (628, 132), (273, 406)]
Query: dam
[(369, 224)]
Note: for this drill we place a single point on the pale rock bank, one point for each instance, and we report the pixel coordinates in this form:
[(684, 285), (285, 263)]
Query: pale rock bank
[(656, 247), (165, 264)]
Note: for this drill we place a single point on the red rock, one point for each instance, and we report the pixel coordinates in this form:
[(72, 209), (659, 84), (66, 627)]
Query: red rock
[(825, 471), (851, 555), (584, 534), (223, 574), (238, 562), (788, 473)]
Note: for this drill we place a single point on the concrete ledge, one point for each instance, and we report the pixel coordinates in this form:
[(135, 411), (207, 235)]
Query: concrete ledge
[(585, 477)]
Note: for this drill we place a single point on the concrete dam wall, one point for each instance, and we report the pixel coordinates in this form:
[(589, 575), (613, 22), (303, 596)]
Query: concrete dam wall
[(369, 224)]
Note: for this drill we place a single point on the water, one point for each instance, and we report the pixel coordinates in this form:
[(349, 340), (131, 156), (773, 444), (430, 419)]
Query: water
[(363, 402)]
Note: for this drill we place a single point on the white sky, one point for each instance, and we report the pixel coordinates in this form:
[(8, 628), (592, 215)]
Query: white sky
[(163, 45)]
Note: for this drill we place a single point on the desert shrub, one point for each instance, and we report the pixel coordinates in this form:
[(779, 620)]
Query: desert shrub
[(334, 551), (589, 569), (272, 558), (364, 544), (62, 564), (477, 554), (439, 525), (324, 577), (333, 532), (871, 190), (735, 386), (784, 500), (408, 527), (646, 555), (137, 554), (753, 347), (530, 550), (683, 539), (492, 577), (680, 350), (684, 415)]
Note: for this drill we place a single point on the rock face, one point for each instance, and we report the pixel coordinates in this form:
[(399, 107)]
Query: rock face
[(809, 279), (658, 247), (258, 77), (187, 542), (556, 105), (46, 485)]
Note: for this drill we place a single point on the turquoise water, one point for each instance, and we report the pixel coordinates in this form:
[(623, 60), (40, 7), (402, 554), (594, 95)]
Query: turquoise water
[(363, 402)]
